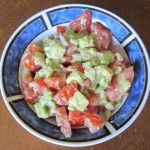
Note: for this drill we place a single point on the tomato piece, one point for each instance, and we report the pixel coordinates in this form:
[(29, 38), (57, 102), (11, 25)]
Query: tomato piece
[(63, 121), (129, 73), (92, 109), (82, 23), (93, 99), (27, 79), (87, 83), (63, 96), (113, 94), (94, 122), (34, 48), (123, 64), (61, 29), (56, 82), (29, 64), (70, 49), (76, 118), (39, 86), (76, 66), (29, 94), (91, 96), (103, 35), (66, 61)]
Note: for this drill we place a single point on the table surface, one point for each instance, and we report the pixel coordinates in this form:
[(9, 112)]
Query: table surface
[(15, 12)]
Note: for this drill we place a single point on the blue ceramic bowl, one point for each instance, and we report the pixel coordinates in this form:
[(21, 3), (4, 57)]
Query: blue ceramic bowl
[(126, 41)]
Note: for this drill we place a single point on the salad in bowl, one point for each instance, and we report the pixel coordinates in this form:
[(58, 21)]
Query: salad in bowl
[(74, 76)]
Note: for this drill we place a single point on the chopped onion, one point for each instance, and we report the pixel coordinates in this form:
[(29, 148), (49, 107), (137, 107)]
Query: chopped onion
[(92, 27), (63, 40)]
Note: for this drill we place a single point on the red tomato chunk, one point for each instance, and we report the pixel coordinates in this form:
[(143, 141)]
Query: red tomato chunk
[(63, 121), (94, 122), (63, 96), (57, 82), (76, 118), (82, 23)]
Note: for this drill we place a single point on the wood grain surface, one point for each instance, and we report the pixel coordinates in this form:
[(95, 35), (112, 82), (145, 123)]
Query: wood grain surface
[(15, 12)]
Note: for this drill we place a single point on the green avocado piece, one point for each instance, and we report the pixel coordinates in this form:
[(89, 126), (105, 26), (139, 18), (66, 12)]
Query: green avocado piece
[(45, 42), (78, 102), (70, 34), (39, 59), (45, 107), (85, 41), (55, 50), (75, 76), (88, 53), (106, 58), (48, 70)]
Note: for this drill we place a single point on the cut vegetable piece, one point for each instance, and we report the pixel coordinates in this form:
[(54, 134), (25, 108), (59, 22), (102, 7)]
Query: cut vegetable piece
[(113, 94), (129, 73), (63, 40), (63, 121), (66, 61), (63, 96), (61, 29), (75, 67), (85, 41), (103, 35), (81, 23), (91, 96), (94, 122), (39, 86), (49, 69), (70, 49), (29, 63), (55, 50), (39, 59), (57, 82), (76, 118), (78, 102), (46, 107), (75, 76), (92, 109), (34, 48), (28, 93)]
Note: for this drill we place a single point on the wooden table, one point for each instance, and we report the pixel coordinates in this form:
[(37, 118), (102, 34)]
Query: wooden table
[(15, 12)]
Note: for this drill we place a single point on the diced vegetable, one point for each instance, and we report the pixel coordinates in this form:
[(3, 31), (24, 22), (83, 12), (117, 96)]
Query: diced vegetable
[(78, 102), (75, 77), (103, 35), (81, 23), (56, 82), (76, 117), (63, 121), (63, 96), (34, 48), (29, 63), (39, 86), (46, 107), (94, 122), (61, 29), (55, 50)]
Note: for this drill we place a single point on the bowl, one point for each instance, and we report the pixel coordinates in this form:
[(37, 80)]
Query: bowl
[(42, 24)]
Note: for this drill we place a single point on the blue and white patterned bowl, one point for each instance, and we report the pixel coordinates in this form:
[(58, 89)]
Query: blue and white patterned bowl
[(37, 27)]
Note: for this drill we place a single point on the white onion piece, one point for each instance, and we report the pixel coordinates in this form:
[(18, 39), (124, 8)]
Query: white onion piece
[(92, 27), (63, 40)]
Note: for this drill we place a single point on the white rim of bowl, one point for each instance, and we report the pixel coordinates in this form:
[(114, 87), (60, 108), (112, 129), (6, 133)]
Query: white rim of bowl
[(65, 143)]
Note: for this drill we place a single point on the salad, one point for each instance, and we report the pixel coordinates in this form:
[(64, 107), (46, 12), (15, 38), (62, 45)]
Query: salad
[(75, 77)]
